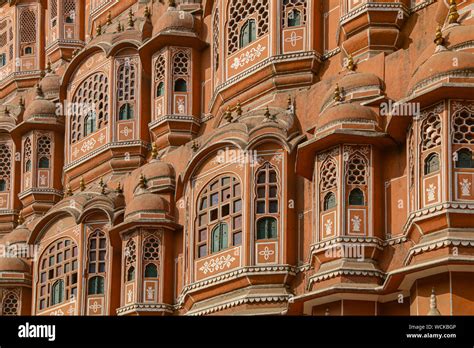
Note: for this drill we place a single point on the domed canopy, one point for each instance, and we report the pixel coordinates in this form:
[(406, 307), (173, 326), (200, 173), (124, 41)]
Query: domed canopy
[(147, 202), (174, 20), (50, 85), (346, 112), (439, 65), (18, 235), (13, 264), (40, 107), (458, 34), (354, 82), (157, 169)]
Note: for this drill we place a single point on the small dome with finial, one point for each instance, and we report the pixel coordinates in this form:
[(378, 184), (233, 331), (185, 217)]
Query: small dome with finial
[(174, 20), (51, 83), (40, 107)]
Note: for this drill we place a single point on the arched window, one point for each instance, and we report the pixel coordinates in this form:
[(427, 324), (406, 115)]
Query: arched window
[(5, 165), (130, 260), (329, 201), (267, 190), (3, 185), (126, 112), (3, 59), (219, 215), (151, 256), (96, 267), (246, 10), (432, 163), (294, 18), (463, 127), (96, 285), (57, 292), (131, 274), (27, 155), (431, 132), (92, 97), (90, 123), (356, 197), (58, 274), (10, 306), (28, 50), (151, 271), (44, 152), (248, 33), (294, 12), (180, 85), (160, 89), (464, 159), (267, 228), (220, 238), (44, 163)]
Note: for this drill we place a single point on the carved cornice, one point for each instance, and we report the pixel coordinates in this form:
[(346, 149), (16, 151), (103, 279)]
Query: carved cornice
[(145, 307)]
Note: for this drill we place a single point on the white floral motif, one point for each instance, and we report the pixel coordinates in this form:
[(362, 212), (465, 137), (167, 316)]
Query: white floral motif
[(181, 106), (328, 226), (465, 188), (88, 145), (248, 57), (266, 253), (150, 293), (356, 221), (217, 264), (431, 190)]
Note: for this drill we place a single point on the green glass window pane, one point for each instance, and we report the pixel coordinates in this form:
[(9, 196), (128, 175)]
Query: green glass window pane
[(151, 271), (356, 197)]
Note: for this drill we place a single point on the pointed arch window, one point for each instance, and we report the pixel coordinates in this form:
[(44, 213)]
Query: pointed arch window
[(432, 164), (10, 306), (294, 18), (97, 255), (44, 163), (160, 89), (464, 159), (180, 85), (3, 185), (151, 271), (248, 33), (356, 197), (130, 260), (329, 201)]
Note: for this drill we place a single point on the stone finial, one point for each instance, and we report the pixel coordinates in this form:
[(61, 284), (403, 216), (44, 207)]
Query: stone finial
[(101, 182), (48, 67), (39, 91), (142, 182), (147, 13), (228, 115), (98, 30), (433, 304), (21, 103), (109, 18), (439, 39), (337, 94), (82, 185), (122, 28), (453, 14), (119, 189), (238, 109), (21, 219), (195, 146), (119, 27), (7, 111), (154, 151), (103, 186), (350, 63), (68, 190), (131, 21)]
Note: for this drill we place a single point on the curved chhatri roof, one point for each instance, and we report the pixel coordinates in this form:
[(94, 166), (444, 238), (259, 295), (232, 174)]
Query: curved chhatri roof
[(40, 107), (174, 20), (147, 203), (344, 112), (13, 264)]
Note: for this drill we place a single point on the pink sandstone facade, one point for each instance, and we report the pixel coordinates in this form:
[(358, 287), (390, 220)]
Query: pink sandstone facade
[(257, 157)]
